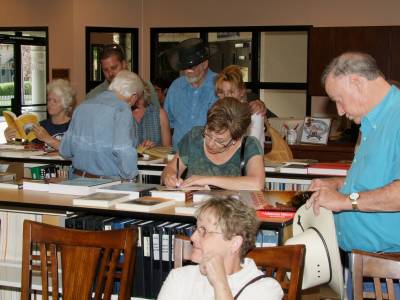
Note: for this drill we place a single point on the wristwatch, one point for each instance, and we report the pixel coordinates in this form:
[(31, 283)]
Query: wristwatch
[(354, 200)]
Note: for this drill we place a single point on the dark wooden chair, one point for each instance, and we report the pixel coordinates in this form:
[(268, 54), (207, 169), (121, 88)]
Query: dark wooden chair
[(276, 262), (88, 261), (382, 268)]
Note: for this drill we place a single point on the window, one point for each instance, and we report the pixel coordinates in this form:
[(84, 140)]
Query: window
[(97, 38), (24, 70), (273, 60)]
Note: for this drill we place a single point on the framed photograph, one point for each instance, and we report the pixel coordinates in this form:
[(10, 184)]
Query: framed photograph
[(316, 130)]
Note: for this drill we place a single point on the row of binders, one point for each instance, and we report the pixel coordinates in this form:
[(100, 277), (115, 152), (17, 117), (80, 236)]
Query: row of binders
[(155, 247)]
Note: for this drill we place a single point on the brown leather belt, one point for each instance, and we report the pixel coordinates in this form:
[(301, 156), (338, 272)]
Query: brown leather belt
[(86, 174)]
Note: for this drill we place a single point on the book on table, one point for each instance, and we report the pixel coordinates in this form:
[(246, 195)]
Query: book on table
[(276, 214), (22, 124), (156, 152), (144, 204), (100, 199), (187, 208), (293, 168), (329, 168), (260, 200), (178, 194), (81, 186), (135, 190)]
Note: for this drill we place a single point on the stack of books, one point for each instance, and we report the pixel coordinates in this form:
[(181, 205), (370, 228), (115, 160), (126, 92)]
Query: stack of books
[(331, 168)]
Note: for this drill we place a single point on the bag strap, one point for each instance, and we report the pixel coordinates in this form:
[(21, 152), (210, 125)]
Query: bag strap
[(247, 284), (242, 164)]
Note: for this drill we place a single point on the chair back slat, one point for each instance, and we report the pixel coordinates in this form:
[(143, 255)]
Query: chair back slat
[(43, 269), (90, 261), (54, 271), (78, 278), (382, 268), (110, 273), (275, 262)]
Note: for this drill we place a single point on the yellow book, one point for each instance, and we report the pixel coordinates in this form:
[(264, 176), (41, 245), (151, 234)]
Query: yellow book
[(158, 151), (23, 124)]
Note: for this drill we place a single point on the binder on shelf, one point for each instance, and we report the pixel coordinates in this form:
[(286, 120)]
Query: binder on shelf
[(157, 263), (139, 282)]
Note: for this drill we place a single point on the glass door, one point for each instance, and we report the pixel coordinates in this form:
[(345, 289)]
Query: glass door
[(7, 76), (33, 75)]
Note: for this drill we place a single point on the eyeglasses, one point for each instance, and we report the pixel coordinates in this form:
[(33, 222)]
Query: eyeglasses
[(217, 142), (202, 231)]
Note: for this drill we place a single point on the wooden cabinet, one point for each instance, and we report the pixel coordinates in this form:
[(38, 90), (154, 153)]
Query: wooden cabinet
[(324, 153), (382, 42)]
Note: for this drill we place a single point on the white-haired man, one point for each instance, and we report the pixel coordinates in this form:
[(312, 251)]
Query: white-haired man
[(366, 202), (100, 140)]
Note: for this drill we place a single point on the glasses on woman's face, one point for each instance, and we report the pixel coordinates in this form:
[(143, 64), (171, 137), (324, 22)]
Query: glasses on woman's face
[(217, 142), (202, 231)]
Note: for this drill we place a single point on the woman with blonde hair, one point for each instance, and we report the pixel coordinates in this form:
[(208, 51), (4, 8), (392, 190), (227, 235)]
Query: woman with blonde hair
[(229, 83), (60, 102)]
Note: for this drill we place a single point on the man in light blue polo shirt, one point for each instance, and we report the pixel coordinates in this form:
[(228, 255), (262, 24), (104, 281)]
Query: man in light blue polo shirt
[(190, 96), (367, 202)]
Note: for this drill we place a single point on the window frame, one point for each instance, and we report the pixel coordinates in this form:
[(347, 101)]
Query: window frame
[(18, 40), (255, 84)]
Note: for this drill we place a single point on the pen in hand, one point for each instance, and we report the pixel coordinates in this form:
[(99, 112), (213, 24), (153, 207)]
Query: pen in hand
[(177, 171)]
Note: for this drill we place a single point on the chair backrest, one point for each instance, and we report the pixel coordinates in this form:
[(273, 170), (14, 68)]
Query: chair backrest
[(89, 262), (379, 267), (276, 262)]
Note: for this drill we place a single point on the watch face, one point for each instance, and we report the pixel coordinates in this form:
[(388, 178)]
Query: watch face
[(354, 196)]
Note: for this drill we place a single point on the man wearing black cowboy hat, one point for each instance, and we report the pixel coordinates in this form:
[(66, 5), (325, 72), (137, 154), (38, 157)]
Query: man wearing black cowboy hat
[(191, 95)]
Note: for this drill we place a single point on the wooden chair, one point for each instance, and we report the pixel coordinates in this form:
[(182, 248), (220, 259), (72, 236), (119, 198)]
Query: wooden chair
[(382, 268), (278, 261), (89, 261), (274, 261)]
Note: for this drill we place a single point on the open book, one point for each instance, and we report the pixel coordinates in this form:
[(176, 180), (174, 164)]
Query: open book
[(157, 152), (23, 124)]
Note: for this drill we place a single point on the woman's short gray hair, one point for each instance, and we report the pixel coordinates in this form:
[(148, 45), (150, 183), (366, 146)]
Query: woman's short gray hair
[(63, 89), (234, 218), (127, 83)]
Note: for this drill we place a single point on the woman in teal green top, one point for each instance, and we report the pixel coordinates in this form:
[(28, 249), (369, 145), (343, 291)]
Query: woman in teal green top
[(212, 154)]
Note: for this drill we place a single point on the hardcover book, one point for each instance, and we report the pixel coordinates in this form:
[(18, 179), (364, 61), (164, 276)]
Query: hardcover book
[(80, 186), (144, 204), (333, 168), (135, 190), (178, 194), (100, 199), (35, 185)]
